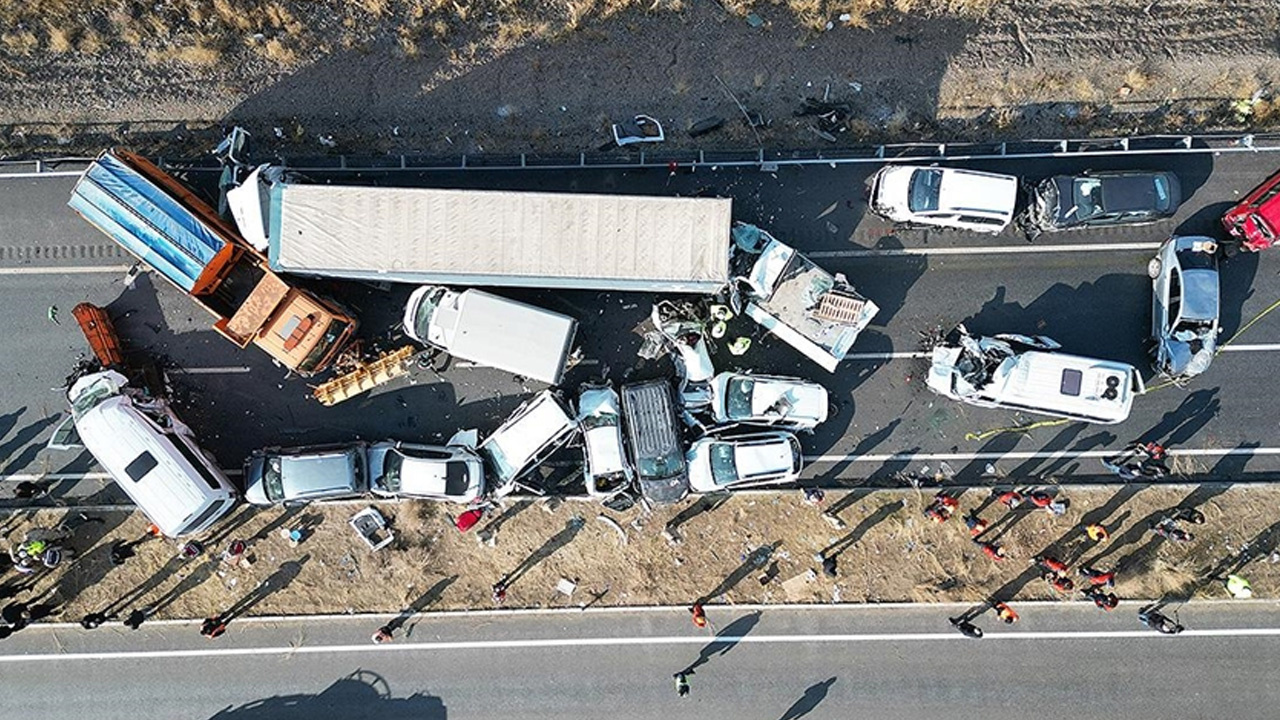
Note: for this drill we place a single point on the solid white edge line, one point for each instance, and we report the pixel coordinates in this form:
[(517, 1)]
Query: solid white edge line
[(49, 174), (212, 370), (622, 642), (66, 270), (1252, 348), (982, 250), (1035, 455)]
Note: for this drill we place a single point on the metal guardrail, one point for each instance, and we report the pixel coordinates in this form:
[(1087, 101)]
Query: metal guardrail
[(764, 159)]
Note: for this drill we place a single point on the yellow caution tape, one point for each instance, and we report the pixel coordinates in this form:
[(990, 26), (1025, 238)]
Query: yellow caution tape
[(983, 435)]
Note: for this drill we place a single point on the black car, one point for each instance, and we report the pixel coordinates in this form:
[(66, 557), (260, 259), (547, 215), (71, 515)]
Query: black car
[(1096, 199)]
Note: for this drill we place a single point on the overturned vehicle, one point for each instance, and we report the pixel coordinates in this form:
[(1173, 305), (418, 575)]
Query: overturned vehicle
[(813, 311), (1024, 372)]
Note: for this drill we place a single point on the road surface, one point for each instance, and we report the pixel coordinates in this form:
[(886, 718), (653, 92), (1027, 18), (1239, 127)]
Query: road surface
[(890, 663), (1088, 290)]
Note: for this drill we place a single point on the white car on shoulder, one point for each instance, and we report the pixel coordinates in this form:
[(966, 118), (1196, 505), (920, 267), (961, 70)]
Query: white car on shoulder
[(725, 463), (785, 402), (944, 197)]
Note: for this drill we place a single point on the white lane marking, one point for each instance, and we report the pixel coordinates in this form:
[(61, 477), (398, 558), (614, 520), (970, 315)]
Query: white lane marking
[(49, 174), (66, 270), (620, 642), (212, 370), (886, 356), (1252, 348), (1035, 455), (35, 477), (872, 356), (983, 250)]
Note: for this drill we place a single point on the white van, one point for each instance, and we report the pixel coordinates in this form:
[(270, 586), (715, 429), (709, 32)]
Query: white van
[(148, 451), (492, 330), (1021, 372)]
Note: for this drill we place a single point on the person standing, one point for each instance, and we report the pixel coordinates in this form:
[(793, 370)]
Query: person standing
[(383, 635), (699, 615), (682, 682), (1005, 613), (967, 628)]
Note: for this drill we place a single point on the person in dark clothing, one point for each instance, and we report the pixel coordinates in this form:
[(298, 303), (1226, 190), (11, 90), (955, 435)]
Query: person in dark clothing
[(682, 682), (213, 627), (1104, 600), (967, 628)]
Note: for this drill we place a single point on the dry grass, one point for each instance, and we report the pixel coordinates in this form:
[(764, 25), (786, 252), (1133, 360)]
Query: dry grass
[(900, 556), (66, 26)]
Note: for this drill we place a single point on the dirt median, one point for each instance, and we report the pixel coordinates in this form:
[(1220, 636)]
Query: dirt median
[(757, 548)]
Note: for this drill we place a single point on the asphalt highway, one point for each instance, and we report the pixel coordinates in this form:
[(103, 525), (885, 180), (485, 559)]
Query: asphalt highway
[(1087, 289), (1059, 661)]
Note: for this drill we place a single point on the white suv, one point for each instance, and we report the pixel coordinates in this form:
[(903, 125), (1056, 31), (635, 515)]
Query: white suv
[(944, 197)]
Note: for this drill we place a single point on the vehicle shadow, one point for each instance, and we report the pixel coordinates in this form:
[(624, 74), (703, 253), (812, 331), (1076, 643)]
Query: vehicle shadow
[(725, 640), (362, 695)]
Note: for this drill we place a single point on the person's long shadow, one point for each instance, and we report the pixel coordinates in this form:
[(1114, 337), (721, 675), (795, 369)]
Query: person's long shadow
[(23, 439), (880, 515), (1261, 546), (493, 526), (756, 559), (274, 583), (195, 579), (704, 504), (424, 601), (725, 640), (549, 548), (813, 695)]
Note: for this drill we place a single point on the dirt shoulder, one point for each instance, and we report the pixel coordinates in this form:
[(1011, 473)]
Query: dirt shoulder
[(741, 549), (422, 76)]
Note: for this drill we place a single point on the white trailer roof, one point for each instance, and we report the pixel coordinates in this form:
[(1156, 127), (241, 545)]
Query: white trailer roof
[(482, 237)]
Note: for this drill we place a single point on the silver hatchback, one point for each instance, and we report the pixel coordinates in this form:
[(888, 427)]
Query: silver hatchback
[(1185, 306)]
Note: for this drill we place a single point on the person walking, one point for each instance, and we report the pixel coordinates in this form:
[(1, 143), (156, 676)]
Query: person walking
[(976, 524), (966, 628), (1010, 499), (1052, 564), (991, 550), (699, 615), (1058, 582), (1097, 532), (213, 627), (1005, 613), (1099, 578), (384, 635), (682, 682), (1239, 587), (1104, 600)]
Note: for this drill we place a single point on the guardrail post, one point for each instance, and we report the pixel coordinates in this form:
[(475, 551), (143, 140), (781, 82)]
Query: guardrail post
[(1004, 148), (403, 163), (880, 151), (464, 160), (1124, 143), (1062, 146), (522, 163), (1185, 142), (342, 161), (582, 159), (942, 149)]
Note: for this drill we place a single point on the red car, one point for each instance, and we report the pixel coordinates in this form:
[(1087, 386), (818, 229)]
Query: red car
[(1255, 222)]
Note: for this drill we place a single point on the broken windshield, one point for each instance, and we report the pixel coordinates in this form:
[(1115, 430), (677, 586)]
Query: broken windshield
[(1088, 198), (738, 397), (925, 189), (93, 396), (318, 353), (724, 469), (271, 480)]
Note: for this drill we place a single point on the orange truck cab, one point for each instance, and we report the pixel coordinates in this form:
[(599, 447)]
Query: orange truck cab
[(181, 237)]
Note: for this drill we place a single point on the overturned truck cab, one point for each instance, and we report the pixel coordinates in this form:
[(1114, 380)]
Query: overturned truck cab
[(813, 311)]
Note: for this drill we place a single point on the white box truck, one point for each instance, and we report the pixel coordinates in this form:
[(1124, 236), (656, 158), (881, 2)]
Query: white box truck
[(571, 241), (491, 330)]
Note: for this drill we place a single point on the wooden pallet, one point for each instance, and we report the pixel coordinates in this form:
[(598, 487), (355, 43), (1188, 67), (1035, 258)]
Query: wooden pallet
[(839, 307), (367, 376)]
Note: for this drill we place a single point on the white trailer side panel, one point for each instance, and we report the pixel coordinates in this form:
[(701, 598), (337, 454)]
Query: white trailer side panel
[(481, 237)]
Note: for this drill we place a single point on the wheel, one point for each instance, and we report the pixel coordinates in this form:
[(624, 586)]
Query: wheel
[(1154, 267)]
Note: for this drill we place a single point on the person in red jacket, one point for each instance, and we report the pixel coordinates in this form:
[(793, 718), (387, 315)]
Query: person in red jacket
[(1098, 578), (1005, 613), (1010, 499), (699, 615), (992, 550), (1052, 564)]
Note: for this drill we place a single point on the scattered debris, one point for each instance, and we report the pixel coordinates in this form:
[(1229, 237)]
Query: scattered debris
[(622, 534), (566, 587), (640, 129), (372, 528)]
